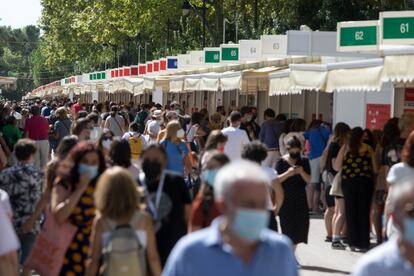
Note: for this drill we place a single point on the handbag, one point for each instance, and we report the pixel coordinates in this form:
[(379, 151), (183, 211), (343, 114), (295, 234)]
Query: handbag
[(336, 189), (49, 249)]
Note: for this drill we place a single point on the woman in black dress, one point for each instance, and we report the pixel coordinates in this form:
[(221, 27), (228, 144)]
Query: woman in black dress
[(294, 173)]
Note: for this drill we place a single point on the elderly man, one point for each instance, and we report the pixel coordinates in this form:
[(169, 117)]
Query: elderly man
[(238, 242), (395, 257)]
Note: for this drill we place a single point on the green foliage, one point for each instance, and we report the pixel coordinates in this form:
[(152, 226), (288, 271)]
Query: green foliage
[(16, 46)]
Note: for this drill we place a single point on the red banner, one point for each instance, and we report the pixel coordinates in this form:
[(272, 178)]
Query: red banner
[(377, 115)]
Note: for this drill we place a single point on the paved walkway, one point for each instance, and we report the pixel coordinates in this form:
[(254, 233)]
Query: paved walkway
[(317, 257)]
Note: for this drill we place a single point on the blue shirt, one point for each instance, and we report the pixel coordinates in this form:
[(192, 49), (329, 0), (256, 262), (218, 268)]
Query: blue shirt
[(175, 156), (318, 138), (203, 253), (46, 111), (384, 260), (270, 132)]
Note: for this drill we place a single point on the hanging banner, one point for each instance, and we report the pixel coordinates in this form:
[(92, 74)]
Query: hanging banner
[(409, 100), (229, 52), (250, 49), (212, 55), (397, 27), (197, 58), (184, 61), (377, 115), (274, 45), (157, 95), (357, 36), (172, 63)]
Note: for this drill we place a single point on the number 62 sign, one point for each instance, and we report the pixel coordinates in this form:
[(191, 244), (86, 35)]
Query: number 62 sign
[(357, 36)]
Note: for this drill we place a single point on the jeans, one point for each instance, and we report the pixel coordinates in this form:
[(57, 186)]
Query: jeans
[(26, 244)]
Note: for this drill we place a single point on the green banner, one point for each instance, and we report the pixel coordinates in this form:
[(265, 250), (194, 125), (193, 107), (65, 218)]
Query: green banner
[(212, 56), (398, 28), (358, 36), (228, 54)]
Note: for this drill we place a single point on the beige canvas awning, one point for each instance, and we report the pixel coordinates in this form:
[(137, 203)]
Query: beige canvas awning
[(308, 76), (398, 64)]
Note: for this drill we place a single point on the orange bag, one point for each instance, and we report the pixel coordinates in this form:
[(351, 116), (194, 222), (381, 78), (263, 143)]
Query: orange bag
[(48, 252)]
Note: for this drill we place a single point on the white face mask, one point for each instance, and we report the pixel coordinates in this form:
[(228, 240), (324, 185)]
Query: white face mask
[(180, 133), (107, 144)]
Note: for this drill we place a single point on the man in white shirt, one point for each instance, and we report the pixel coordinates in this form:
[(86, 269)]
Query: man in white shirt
[(395, 257), (237, 138), (153, 127), (8, 245)]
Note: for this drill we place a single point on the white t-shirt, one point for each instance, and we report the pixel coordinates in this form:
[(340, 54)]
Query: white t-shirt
[(5, 202), (192, 132), (272, 174), (237, 138), (154, 127), (116, 124), (399, 173), (8, 238)]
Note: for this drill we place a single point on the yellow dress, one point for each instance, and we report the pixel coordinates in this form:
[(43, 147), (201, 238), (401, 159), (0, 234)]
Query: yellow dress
[(82, 217)]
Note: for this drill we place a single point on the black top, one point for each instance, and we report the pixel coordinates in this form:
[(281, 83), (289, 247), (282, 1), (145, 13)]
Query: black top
[(391, 154), (333, 151), (171, 213)]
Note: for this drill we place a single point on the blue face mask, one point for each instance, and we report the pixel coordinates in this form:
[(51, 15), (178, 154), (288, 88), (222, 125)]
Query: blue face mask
[(209, 177), (92, 170), (249, 223), (409, 230)]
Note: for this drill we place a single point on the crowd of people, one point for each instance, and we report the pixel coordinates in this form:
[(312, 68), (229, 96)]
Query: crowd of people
[(120, 189)]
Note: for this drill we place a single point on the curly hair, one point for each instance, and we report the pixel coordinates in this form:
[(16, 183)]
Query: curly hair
[(75, 157)]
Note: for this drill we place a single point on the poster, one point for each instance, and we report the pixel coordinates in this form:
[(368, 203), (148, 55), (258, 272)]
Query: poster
[(377, 115), (157, 95), (409, 100)]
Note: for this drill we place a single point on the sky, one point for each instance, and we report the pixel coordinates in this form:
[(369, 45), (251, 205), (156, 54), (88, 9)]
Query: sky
[(19, 13)]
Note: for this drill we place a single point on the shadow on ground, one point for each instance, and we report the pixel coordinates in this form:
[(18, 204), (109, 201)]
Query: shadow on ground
[(323, 269)]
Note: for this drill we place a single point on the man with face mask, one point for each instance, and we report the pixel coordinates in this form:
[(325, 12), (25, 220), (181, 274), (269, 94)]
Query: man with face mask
[(238, 242), (395, 257)]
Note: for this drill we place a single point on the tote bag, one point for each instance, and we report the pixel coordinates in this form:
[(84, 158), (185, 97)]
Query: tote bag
[(336, 189), (48, 252)]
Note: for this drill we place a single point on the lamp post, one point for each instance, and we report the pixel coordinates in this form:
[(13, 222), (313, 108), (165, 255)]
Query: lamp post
[(225, 20), (186, 7)]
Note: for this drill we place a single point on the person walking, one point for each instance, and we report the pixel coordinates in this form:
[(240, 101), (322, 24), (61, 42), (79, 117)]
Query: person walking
[(177, 151), (23, 184), (114, 186), (335, 212), (317, 137), (358, 164), (269, 135), (237, 138), (115, 122), (62, 126), (236, 243), (396, 256), (204, 209), (293, 174), (37, 129), (167, 199), (72, 201)]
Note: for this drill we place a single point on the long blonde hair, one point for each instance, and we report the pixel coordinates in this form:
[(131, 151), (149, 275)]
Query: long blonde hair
[(171, 130)]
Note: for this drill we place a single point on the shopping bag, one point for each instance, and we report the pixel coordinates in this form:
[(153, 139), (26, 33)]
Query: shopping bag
[(49, 249), (336, 189)]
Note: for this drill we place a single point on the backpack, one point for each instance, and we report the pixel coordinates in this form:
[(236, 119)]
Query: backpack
[(135, 143), (123, 253)]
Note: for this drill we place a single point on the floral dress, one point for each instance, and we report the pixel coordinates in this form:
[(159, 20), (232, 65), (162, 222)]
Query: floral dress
[(82, 217)]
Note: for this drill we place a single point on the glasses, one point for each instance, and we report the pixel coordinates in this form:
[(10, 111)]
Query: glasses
[(107, 138)]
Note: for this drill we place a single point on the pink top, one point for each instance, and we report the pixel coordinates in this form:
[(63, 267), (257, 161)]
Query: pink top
[(37, 127)]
